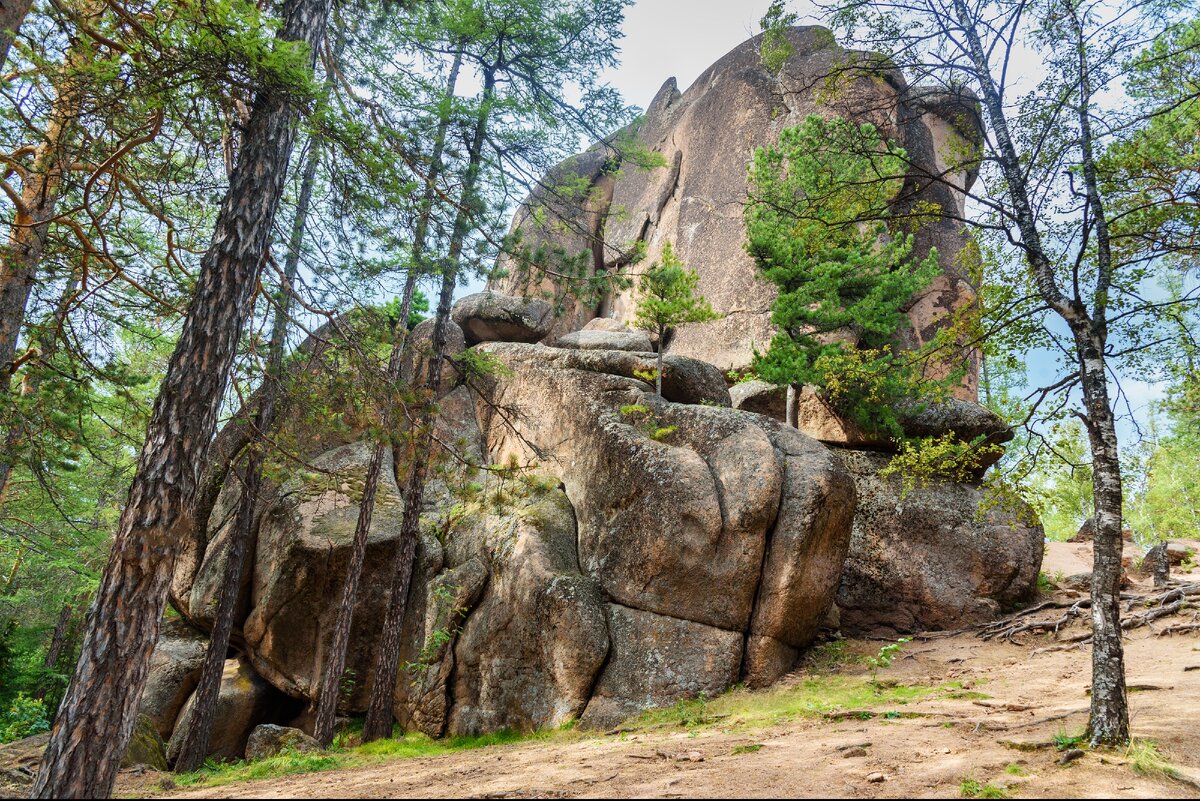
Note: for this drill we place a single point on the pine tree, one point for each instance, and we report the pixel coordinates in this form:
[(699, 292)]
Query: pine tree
[(668, 299), (816, 226), (97, 715)]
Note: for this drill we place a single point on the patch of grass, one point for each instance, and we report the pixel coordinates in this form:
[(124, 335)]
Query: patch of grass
[(970, 788), (1064, 741), (1145, 759), (830, 657), (408, 746), (746, 749), (1013, 769), (810, 698)]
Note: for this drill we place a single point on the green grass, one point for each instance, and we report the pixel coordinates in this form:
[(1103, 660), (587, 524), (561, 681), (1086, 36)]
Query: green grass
[(1013, 769), (831, 657), (746, 749), (969, 788), (408, 746), (812, 697), (1145, 759), (1064, 741)]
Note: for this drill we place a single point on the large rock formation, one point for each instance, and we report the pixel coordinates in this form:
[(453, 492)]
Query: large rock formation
[(540, 606), (590, 549), (705, 137)]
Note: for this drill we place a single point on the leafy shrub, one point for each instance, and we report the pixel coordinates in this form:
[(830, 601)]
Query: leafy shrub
[(23, 717)]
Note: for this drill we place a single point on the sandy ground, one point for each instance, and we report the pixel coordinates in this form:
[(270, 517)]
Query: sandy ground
[(1031, 698)]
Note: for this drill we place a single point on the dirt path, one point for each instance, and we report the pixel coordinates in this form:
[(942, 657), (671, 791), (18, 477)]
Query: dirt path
[(929, 752)]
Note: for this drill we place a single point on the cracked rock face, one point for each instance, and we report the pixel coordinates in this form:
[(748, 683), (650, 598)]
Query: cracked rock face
[(705, 137), (933, 559), (650, 541)]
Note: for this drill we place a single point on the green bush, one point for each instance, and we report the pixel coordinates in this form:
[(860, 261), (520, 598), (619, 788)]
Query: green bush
[(22, 717)]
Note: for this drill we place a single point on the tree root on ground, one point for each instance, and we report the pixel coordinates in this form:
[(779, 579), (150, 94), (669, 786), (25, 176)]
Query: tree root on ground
[(1179, 598)]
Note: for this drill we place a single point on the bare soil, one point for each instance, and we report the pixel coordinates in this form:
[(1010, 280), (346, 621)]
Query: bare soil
[(1005, 739)]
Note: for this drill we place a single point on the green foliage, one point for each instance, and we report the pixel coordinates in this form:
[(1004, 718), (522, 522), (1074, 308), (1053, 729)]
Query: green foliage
[(645, 417), (1064, 741), (752, 748), (1147, 760), (887, 654), (817, 227), (406, 746), (776, 49), (926, 460), (22, 717), (970, 788), (813, 697), (667, 297)]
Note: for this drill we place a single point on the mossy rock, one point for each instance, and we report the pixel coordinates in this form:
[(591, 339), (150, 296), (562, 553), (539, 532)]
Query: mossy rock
[(146, 746)]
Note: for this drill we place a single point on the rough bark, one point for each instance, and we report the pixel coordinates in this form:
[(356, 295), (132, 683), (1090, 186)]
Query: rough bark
[(387, 662), (195, 745), (12, 14), (97, 715), (57, 639)]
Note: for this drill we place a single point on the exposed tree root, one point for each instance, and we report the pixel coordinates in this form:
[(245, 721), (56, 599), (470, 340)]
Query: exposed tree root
[(1178, 598)]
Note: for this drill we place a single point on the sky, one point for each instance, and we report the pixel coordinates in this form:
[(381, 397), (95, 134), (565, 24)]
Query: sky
[(681, 39)]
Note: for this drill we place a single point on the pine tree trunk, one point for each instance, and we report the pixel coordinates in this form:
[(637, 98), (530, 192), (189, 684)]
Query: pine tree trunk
[(98, 713), (204, 705), (57, 639), (41, 191), (662, 340), (12, 14), (387, 660), (792, 406)]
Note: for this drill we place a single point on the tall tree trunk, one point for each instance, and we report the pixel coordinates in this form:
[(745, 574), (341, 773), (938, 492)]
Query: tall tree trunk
[(387, 656), (662, 345), (42, 187), (195, 744), (97, 715), (12, 14), (340, 641), (57, 639), (1109, 721), (417, 268)]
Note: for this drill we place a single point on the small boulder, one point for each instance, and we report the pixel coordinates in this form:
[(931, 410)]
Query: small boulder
[(492, 317), (269, 740), (761, 398), (634, 341), (146, 747), (419, 350), (245, 701), (1178, 553), (685, 380), (174, 671), (605, 324), (936, 557), (1086, 533)]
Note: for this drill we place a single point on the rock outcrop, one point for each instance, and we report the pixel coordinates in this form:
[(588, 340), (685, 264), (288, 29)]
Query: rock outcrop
[(605, 552), (936, 558), (705, 137), (590, 549)]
